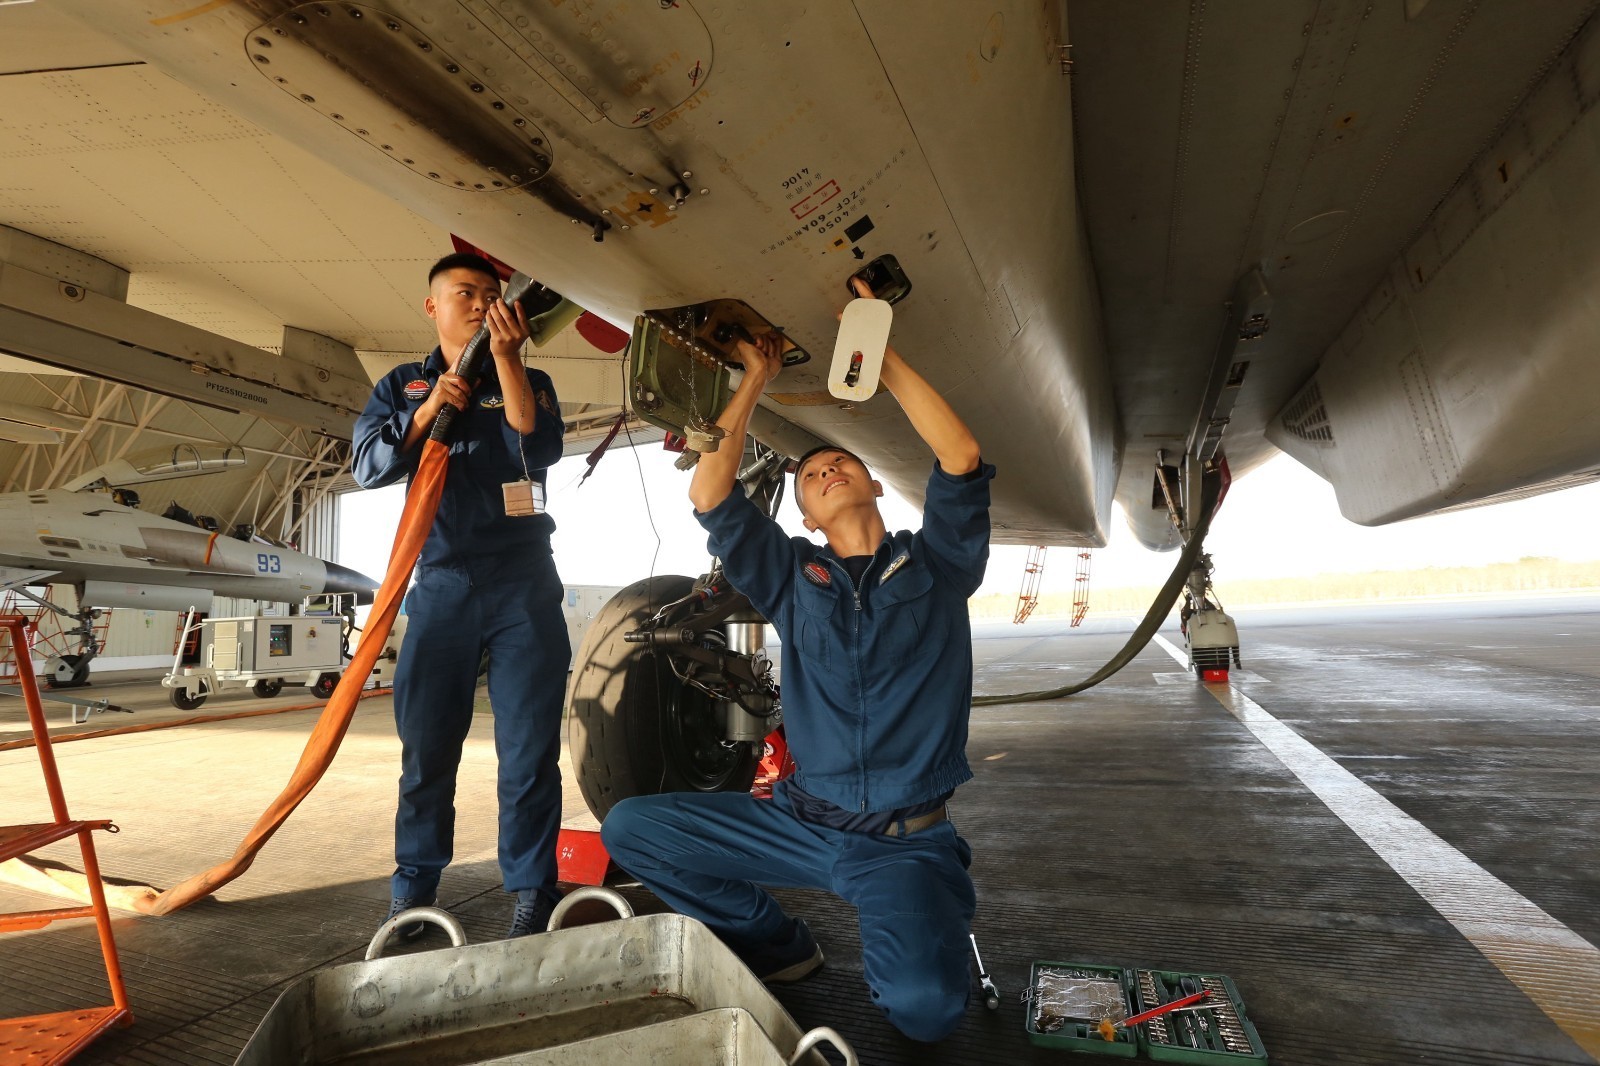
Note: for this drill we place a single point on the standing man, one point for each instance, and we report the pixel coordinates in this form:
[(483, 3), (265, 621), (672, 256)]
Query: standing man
[(877, 690), (485, 582)]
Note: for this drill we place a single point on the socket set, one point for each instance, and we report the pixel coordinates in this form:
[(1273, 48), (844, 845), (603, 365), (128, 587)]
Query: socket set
[(1069, 1006), (1214, 1029)]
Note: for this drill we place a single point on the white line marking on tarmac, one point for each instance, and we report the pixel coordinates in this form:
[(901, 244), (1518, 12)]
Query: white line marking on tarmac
[(1554, 967)]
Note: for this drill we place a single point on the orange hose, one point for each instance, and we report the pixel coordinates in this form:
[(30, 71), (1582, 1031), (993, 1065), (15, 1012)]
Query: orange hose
[(422, 502)]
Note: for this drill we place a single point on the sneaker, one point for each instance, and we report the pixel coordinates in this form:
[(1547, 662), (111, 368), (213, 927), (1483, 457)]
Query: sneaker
[(410, 930), (795, 961), (532, 914)]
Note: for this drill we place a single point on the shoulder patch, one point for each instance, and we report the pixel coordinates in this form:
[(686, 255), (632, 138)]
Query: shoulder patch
[(416, 390), (894, 566), (547, 401), (491, 402), (818, 574)]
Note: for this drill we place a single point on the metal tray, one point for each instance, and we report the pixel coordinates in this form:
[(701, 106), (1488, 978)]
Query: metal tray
[(725, 1036), (481, 1002)]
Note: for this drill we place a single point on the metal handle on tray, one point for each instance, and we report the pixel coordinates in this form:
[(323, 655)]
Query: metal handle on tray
[(578, 895), (817, 1036), (438, 917)]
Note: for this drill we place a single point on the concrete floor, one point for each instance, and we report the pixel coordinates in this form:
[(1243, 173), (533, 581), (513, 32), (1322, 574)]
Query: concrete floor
[(1142, 824)]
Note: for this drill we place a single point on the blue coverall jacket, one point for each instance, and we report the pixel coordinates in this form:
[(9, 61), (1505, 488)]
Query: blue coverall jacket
[(877, 677), (485, 453)]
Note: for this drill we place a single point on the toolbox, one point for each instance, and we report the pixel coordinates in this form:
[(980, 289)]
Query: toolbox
[(1066, 1001)]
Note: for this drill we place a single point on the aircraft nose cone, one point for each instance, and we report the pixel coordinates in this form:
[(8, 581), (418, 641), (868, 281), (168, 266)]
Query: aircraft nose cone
[(342, 579)]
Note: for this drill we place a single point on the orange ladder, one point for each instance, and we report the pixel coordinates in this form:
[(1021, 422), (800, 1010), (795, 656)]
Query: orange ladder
[(1032, 571), (51, 1038)]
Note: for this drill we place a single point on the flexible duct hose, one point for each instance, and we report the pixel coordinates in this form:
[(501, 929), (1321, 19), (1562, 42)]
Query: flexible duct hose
[(1153, 618)]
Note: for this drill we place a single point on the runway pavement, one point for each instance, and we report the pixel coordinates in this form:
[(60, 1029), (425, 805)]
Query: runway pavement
[(1383, 831)]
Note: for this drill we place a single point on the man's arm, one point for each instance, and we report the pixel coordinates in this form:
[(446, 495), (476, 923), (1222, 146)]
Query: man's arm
[(716, 472), (935, 421)]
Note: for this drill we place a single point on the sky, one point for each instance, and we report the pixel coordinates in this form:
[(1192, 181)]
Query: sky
[(632, 518)]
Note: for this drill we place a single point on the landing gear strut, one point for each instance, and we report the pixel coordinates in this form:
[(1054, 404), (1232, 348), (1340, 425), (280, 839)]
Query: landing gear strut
[(70, 670), (1212, 636)]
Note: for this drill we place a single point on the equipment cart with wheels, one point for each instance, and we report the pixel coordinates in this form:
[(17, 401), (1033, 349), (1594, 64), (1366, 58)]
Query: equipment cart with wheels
[(261, 653)]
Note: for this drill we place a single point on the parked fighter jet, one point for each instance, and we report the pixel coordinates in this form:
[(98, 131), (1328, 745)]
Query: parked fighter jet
[(115, 555)]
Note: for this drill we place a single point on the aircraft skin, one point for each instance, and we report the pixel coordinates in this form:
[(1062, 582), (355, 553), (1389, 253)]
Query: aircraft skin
[(1401, 189), (124, 557)]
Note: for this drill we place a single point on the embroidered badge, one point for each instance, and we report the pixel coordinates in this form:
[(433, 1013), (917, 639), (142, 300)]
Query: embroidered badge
[(894, 566), (416, 390), (818, 574), (491, 402), (547, 401)]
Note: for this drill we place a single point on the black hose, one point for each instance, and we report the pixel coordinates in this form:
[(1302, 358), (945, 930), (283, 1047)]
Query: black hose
[(470, 365), (1159, 609)]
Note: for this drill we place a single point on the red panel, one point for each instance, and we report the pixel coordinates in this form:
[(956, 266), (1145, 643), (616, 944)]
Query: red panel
[(581, 859)]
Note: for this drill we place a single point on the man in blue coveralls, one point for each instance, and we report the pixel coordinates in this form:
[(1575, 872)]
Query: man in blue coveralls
[(485, 581), (877, 689)]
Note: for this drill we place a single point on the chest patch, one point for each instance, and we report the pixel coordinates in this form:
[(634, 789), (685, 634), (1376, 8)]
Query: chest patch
[(818, 574), (894, 566), (489, 403), (416, 390)]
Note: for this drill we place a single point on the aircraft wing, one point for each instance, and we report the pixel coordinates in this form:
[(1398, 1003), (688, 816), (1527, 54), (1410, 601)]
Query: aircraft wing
[(16, 577)]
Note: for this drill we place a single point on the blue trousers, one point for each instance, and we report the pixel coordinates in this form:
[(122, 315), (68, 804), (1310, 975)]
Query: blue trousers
[(706, 856), (454, 615)]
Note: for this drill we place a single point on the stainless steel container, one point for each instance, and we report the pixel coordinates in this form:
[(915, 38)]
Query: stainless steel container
[(724, 1036), (482, 1002)]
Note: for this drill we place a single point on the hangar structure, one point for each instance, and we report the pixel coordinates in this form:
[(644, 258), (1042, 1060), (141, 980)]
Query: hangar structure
[(143, 315)]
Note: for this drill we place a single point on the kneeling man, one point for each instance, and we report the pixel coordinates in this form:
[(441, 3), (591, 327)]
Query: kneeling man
[(877, 690)]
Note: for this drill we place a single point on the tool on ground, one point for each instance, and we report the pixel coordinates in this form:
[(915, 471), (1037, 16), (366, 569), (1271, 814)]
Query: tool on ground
[(1108, 1028), (991, 994)]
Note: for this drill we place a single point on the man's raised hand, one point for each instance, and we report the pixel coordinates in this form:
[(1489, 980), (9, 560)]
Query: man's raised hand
[(762, 359)]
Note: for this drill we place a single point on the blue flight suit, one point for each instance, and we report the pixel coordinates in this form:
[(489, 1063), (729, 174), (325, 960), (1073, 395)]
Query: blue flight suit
[(877, 691), (485, 581)]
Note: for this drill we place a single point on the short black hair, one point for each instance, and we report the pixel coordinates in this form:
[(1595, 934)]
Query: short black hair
[(818, 450), (463, 261)]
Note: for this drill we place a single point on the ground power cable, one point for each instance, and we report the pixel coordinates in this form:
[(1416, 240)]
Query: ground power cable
[(1147, 627)]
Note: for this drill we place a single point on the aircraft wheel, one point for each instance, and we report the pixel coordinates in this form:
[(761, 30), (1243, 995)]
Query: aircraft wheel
[(635, 729), (69, 671), (325, 686), (267, 689), (185, 702)]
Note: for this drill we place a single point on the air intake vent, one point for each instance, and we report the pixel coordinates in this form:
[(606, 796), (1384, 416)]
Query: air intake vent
[(1307, 416)]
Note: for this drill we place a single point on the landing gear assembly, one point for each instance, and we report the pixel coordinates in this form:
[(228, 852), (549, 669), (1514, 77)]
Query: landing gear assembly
[(670, 693), (672, 689), (1212, 636), (72, 669)]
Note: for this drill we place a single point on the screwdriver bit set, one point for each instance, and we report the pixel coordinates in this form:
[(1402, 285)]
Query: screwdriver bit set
[(1068, 1002)]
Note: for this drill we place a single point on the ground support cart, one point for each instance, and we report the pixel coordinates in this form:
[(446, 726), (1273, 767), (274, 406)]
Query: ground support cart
[(261, 653)]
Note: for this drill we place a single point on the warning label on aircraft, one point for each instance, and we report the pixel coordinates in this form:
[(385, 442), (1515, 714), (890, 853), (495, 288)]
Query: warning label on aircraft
[(416, 390), (815, 201)]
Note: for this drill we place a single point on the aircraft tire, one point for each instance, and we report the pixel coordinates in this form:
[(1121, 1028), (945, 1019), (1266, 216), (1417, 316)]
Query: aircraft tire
[(634, 728), (185, 702), (267, 689), (79, 676)]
